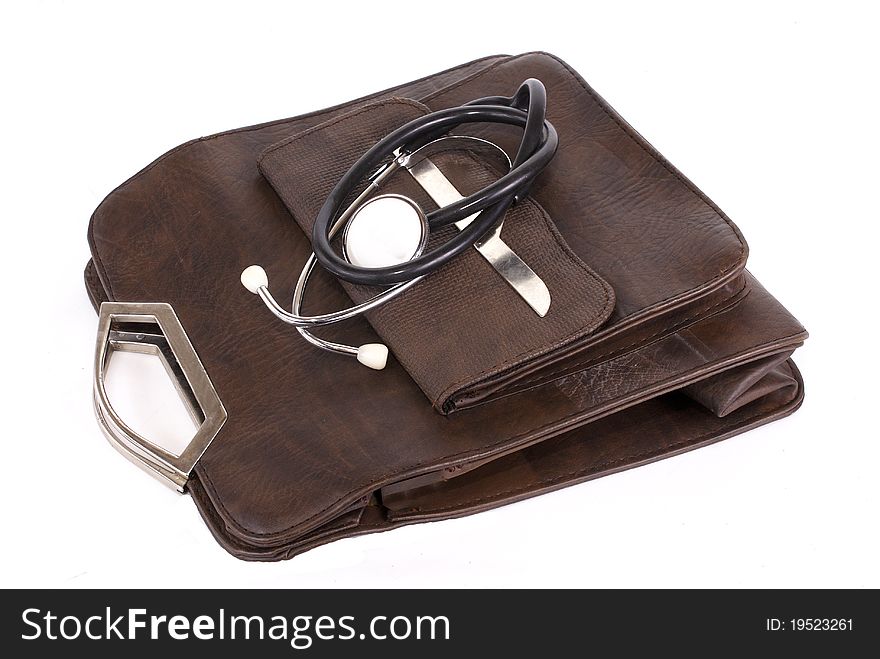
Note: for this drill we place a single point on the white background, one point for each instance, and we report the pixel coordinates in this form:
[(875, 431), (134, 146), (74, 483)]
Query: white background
[(771, 108)]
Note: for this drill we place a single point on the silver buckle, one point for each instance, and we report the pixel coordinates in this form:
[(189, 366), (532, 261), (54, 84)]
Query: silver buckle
[(132, 327)]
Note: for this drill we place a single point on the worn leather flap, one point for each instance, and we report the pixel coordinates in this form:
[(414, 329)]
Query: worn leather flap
[(463, 322)]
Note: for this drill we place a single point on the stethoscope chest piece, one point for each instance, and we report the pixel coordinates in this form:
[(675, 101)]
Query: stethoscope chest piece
[(387, 230)]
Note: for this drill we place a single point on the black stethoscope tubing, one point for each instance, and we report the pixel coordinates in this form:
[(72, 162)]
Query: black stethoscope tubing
[(526, 109)]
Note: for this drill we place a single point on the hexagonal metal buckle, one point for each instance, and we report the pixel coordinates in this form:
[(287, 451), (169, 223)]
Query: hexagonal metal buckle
[(153, 328)]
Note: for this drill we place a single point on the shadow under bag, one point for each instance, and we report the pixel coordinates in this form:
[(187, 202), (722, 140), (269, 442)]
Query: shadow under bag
[(657, 341)]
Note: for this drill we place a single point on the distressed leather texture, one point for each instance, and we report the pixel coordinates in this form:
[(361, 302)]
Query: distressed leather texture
[(688, 348)]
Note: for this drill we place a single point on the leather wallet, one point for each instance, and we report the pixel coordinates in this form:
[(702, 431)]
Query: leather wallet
[(658, 340)]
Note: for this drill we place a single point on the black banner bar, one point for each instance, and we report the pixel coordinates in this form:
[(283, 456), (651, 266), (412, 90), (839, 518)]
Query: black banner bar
[(433, 623)]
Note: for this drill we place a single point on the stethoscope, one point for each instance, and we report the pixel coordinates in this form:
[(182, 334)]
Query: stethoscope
[(384, 236)]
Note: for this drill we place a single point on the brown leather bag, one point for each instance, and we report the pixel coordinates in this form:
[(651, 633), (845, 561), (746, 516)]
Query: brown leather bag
[(658, 340)]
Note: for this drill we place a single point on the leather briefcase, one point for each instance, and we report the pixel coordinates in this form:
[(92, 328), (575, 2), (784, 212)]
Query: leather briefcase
[(658, 341)]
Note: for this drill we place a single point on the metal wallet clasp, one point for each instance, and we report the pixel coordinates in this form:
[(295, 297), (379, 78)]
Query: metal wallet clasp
[(153, 328)]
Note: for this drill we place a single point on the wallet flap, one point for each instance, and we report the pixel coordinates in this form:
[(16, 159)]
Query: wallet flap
[(462, 323)]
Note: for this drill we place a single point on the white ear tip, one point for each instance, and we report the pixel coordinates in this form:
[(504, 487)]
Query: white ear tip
[(253, 277), (373, 355)]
